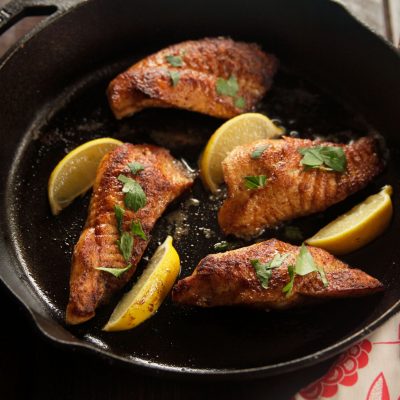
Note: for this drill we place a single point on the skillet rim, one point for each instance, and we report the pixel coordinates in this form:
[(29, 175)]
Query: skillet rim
[(168, 370)]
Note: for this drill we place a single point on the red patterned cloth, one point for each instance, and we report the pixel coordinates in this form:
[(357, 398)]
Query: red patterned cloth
[(370, 370)]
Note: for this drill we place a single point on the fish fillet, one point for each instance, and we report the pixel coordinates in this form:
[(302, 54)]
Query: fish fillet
[(163, 179), (290, 190), (230, 279), (148, 83)]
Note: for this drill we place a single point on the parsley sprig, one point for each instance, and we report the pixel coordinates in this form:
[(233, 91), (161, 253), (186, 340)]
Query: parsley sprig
[(117, 272), (137, 230), (255, 182), (135, 198), (135, 167), (125, 245), (230, 87), (175, 61), (264, 271), (258, 151), (304, 265), (328, 158), (119, 216), (174, 76)]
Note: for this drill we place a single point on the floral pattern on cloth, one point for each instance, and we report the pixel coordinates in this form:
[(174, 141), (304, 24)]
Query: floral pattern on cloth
[(369, 370)]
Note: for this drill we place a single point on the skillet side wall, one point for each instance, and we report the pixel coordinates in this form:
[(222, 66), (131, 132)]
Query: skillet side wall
[(318, 38)]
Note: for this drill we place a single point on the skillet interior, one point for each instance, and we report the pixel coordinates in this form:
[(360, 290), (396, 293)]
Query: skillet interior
[(66, 106)]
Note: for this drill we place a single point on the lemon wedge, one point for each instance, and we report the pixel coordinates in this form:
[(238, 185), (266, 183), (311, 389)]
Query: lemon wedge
[(76, 172), (146, 296), (244, 128), (359, 226)]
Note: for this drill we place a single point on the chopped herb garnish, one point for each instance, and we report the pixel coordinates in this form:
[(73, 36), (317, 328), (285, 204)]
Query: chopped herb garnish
[(323, 277), (293, 233), (289, 286), (264, 271), (305, 264), (135, 198), (119, 216), (175, 76), (255, 182), (135, 167), (240, 102), (175, 61), (258, 151), (227, 87), (117, 272), (328, 158), (125, 244), (221, 246), (137, 230)]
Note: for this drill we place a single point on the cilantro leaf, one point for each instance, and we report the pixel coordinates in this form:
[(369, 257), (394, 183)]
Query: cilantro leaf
[(311, 157), (117, 272), (289, 286), (227, 87), (255, 182), (323, 277), (334, 158), (119, 216), (305, 262), (135, 198), (240, 102), (221, 246), (135, 167), (258, 151), (293, 233), (175, 76), (329, 158), (125, 244), (137, 230), (264, 271), (175, 61)]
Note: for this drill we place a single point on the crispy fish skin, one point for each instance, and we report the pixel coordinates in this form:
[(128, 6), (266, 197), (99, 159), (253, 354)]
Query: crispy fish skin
[(148, 82), (291, 191), (163, 179), (227, 279)]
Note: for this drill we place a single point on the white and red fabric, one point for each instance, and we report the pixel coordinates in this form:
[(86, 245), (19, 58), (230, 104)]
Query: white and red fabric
[(370, 370)]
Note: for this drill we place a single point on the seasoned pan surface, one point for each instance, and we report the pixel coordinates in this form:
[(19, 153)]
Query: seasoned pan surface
[(58, 102), (216, 339)]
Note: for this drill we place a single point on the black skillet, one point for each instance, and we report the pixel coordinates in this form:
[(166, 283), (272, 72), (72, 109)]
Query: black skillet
[(52, 98)]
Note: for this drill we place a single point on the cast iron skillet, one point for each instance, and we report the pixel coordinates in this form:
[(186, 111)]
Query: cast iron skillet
[(52, 99)]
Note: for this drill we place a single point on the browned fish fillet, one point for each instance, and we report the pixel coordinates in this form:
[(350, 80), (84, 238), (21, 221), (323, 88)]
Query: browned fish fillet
[(291, 191), (148, 83), (230, 279), (162, 180)]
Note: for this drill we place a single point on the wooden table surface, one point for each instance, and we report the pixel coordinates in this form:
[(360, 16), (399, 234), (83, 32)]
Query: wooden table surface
[(31, 367)]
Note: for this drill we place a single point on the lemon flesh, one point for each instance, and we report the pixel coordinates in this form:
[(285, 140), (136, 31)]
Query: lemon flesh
[(359, 226), (146, 296), (76, 172), (244, 128)]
